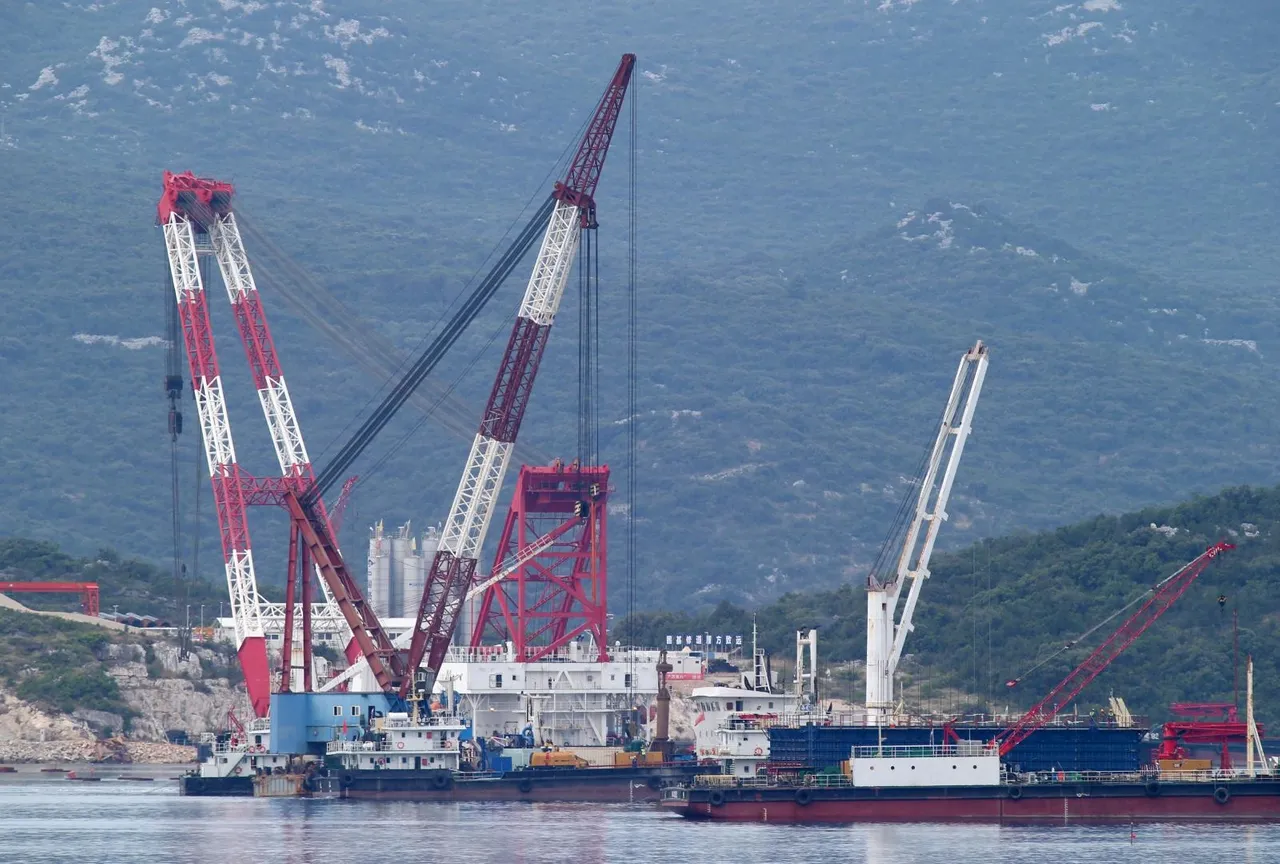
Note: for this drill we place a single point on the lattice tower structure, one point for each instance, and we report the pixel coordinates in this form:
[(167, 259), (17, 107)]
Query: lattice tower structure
[(549, 582)]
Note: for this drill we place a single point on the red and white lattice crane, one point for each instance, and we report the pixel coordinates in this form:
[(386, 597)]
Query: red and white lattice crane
[(1162, 597), (195, 214), (452, 570)]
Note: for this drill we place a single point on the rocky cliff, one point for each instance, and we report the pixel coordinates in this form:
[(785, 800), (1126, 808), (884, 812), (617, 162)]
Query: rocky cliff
[(162, 691)]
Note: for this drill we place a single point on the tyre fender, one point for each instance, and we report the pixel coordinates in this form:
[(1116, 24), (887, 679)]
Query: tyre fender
[(716, 797), (1222, 794)]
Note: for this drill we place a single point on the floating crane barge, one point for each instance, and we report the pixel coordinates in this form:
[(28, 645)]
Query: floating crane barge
[(972, 781)]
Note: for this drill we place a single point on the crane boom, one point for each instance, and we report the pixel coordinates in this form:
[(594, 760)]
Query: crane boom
[(453, 567), (1163, 596), (885, 639), (181, 219)]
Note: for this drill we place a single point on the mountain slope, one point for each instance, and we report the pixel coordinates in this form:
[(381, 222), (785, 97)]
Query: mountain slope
[(1003, 609), (1102, 168)]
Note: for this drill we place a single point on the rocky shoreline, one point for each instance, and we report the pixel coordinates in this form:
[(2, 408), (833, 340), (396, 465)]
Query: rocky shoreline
[(162, 690)]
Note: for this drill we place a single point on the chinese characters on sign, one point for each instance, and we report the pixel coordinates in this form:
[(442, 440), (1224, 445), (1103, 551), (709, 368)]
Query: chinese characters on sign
[(723, 641)]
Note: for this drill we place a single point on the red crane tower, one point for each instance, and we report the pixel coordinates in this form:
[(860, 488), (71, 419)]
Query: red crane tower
[(1163, 596), (549, 582)]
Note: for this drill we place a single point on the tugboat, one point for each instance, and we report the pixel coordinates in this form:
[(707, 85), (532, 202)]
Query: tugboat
[(236, 756)]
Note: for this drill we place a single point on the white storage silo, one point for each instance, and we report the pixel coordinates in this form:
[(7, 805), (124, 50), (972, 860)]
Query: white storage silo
[(415, 573), (379, 579), (401, 548)]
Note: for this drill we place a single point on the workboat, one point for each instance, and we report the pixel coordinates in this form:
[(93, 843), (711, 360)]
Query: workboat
[(420, 755), (235, 757), (966, 783)]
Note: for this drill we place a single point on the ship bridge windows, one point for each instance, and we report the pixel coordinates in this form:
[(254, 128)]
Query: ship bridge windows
[(337, 710)]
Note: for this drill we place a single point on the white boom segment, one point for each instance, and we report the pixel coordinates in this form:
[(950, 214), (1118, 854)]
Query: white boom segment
[(885, 638), (277, 407), (215, 427), (273, 392)]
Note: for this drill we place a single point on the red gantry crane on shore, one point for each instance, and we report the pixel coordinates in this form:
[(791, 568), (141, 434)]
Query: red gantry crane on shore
[(1162, 597)]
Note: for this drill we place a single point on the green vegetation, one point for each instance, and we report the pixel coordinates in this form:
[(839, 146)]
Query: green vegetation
[(130, 584), (58, 664), (992, 611)]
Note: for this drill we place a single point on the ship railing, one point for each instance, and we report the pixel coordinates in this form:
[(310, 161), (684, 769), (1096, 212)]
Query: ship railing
[(1235, 775), (821, 781), (438, 745), (433, 722), (846, 718), (922, 751), (239, 746)]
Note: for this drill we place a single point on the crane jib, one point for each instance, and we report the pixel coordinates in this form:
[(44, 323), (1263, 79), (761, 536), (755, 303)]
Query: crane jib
[(454, 565), (1164, 596)]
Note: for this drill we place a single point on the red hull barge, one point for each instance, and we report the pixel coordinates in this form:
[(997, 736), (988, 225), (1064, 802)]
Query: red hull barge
[(1229, 800)]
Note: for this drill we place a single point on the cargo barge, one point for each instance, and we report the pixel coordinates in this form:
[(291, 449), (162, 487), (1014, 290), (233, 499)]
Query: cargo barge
[(950, 784)]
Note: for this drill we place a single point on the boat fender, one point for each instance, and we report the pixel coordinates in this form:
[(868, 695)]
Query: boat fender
[(345, 779), (803, 797), (1222, 794), (716, 797), (1015, 792), (1153, 788), (442, 781), (526, 785), (759, 751)]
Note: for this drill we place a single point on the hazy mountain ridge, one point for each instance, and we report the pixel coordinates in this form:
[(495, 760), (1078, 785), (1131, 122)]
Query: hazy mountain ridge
[(803, 305)]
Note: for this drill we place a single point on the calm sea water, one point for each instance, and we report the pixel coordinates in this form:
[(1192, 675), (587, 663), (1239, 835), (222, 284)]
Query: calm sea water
[(44, 820)]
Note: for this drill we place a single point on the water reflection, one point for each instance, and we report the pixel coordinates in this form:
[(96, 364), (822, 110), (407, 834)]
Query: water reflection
[(86, 823)]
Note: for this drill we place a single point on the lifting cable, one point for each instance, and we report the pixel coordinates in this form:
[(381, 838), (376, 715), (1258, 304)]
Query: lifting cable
[(633, 416), (443, 341), (1071, 643)]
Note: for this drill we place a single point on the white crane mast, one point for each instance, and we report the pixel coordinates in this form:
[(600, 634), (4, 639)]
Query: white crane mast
[(885, 638)]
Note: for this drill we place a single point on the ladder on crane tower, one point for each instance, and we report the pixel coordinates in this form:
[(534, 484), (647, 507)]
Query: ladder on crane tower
[(886, 634)]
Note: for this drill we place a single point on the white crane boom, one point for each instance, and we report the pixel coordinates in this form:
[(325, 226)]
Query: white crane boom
[(885, 638)]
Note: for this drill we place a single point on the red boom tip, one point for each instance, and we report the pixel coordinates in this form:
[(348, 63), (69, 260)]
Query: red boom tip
[(193, 197)]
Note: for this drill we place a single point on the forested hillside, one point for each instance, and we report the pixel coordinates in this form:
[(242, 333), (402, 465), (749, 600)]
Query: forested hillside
[(129, 585), (833, 203), (991, 612)]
